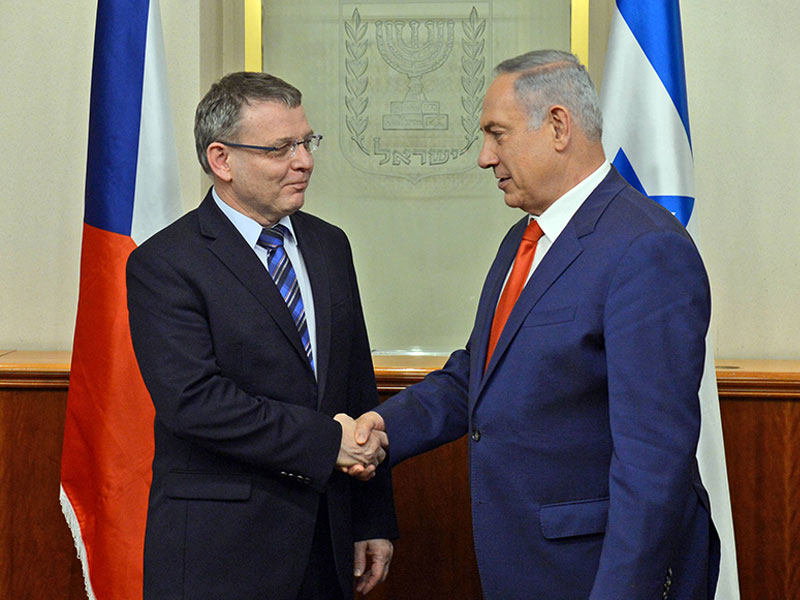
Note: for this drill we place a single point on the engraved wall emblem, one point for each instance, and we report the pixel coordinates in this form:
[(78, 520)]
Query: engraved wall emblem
[(413, 87)]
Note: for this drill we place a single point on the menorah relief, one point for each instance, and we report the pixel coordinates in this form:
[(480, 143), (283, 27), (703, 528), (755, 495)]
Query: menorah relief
[(415, 57), (433, 120)]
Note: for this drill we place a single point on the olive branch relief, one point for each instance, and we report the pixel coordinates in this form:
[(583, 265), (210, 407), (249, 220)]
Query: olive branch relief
[(472, 81), (356, 80)]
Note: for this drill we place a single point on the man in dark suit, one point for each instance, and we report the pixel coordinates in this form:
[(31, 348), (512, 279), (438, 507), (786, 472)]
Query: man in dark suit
[(579, 385), (248, 328)]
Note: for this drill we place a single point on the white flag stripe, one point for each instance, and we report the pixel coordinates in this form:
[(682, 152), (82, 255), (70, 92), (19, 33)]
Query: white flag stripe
[(157, 195), (714, 473), (658, 148)]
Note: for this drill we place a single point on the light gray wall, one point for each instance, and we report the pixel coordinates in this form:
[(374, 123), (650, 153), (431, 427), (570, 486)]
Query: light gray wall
[(743, 83)]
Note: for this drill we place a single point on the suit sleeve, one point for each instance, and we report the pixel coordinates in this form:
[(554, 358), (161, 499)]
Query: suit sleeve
[(429, 413), (194, 401), (655, 323)]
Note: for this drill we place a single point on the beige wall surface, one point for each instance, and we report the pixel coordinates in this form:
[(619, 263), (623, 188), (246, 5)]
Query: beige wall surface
[(744, 86), (742, 80), (45, 69)]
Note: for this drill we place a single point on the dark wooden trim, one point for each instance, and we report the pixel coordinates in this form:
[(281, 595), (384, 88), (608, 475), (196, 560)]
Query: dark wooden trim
[(757, 379), (34, 370), (396, 372), (34, 380)]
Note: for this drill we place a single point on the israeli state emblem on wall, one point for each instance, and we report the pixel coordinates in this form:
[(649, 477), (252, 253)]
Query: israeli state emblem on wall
[(412, 84)]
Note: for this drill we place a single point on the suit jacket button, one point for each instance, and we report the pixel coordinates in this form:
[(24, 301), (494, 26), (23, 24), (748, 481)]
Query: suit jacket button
[(476, 435)]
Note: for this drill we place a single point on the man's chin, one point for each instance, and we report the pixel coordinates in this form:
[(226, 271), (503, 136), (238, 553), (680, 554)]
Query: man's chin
[(296, 201), (512, 200)]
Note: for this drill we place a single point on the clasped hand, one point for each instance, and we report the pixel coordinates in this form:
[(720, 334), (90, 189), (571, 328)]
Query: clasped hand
[(363, 447)]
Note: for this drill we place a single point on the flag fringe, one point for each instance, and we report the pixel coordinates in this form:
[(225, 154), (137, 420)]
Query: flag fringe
[(75, 528)]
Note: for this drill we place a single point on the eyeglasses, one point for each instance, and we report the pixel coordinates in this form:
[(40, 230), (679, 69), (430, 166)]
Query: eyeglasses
[(287, 150)]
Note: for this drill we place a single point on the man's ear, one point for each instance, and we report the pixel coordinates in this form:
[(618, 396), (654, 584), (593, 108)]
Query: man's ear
[(219, 160), (561, 123)]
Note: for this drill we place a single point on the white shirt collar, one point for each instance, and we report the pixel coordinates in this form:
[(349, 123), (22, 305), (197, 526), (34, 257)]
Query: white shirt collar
[(555, 218), (248, 227)]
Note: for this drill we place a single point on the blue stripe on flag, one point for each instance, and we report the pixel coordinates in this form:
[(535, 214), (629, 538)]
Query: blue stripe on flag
[(114, 114), (656, 25)]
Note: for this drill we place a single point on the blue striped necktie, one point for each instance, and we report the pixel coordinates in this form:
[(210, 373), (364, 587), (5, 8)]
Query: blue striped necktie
[(280, 268)]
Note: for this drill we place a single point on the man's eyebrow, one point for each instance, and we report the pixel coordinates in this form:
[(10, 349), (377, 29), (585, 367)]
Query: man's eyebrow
[(289, 139), (491, 125)]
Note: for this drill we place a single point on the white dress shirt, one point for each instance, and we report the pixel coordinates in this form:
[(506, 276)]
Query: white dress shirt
[(555, 218), (251, 230)]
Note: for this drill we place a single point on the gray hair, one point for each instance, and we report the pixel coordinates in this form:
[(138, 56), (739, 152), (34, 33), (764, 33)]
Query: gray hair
[(218, 115), (550, 77)]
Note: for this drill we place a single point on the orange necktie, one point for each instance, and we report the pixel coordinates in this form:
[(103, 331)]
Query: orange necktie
[(516, 281)]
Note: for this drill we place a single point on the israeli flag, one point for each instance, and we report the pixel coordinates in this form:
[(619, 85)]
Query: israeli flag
[(646, 136)]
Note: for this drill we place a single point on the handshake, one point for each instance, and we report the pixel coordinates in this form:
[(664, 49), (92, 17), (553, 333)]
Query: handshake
[(364, 444)]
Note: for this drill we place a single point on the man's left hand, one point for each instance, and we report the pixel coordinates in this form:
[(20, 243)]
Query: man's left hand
[(380, 552)]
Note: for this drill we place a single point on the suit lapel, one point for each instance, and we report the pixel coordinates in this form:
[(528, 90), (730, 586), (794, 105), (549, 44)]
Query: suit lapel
[(488, 301), (230, 248), (317, 268), (562, 254)]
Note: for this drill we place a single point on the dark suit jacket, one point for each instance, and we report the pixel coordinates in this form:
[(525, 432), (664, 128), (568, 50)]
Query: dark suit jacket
[(583, 429), (244, 441)]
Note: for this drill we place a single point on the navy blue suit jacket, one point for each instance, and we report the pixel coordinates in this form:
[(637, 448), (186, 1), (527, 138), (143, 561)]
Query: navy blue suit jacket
[(244, 439), (583, 428)]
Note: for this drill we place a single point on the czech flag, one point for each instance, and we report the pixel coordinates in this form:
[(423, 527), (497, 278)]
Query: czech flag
[(646, 136), (131, 192)]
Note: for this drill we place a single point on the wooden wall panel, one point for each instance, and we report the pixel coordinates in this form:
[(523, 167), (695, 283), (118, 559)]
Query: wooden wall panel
[(760, 407), (37, 556), (764, 478), (434, 559)]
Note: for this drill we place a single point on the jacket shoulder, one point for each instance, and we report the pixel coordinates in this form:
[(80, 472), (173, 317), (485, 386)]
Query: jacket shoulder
[(328, 235), (182, 233), (313, 223), (179, 227), (638, 214)]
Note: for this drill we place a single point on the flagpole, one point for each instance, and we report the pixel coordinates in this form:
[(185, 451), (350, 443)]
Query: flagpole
[(579, 30), (253, 49)]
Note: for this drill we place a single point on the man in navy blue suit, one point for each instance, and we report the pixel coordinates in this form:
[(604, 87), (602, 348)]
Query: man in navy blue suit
[(248, 329), (578, 387)]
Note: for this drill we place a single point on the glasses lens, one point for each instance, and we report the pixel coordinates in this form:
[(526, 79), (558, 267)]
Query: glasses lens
[(312, 142), (285, 151)]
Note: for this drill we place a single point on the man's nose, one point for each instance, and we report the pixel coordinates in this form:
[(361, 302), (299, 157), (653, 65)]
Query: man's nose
[(487, 158), (302, 159)]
